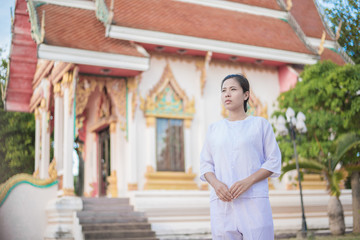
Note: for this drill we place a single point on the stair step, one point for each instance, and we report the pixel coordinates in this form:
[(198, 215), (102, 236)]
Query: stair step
[(121, 201), (115, 226), (112, 220), (86, 214), (118, 234), (141, 238)]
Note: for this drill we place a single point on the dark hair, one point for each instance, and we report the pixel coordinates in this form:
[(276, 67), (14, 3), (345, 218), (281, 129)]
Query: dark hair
[(243, 82)]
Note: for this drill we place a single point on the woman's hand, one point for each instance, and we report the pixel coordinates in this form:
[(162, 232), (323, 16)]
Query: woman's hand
[(240, 187), (221, 190)]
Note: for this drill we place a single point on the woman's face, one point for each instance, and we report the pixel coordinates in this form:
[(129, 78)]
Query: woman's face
[(232, 95)]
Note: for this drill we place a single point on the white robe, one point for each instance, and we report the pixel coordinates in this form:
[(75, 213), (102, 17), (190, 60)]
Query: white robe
[(234, 150)]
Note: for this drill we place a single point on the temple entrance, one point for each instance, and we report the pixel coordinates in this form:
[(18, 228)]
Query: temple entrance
[(104, 160)]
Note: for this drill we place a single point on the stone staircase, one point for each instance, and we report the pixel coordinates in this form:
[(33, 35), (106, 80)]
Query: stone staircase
[(113, 218)]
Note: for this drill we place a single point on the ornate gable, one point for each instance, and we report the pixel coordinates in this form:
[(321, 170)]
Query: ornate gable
[(167, 99)]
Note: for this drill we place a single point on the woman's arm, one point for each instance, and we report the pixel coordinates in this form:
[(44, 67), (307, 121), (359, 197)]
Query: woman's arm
[(222, 191), (242, 186)]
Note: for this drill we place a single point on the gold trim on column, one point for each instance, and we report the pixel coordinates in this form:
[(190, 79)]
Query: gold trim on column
[(132, 84), (150, 121), (37, 114), (68, 192), (132, 186), (113, 127), (203, 66), (36, 173), (112, 188), (204, 186), (149, 169), (43, 104), (57, 90), (187, 123)]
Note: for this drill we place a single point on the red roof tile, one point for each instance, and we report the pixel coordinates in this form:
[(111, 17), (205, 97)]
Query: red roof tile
[(333, 56), (272, 4), (208, 23), (22, 63), (79, 28), (307, 16)]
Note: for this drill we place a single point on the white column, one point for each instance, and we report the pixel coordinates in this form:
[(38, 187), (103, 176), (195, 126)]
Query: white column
[(131, 153), (201, 132), (37, 139), (113, 141), (150, 143), (121, 160), (187, 147), (58, 129), (68, 178), (45, 141)]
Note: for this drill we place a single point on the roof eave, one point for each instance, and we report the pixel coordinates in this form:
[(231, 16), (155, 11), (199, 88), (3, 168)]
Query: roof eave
[(195, 43), (86, 57)]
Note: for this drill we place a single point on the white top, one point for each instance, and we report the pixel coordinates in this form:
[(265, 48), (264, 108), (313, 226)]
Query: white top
[(233, 150)]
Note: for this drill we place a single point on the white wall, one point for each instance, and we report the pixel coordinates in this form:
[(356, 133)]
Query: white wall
[(23, 216), (263, 82)]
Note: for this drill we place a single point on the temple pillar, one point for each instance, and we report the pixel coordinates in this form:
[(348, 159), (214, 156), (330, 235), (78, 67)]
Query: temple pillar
[(187, 147), (131, 154), (58, 129), (121, 160), (150, 144), (68, 144), (37, 141), (45, 141), (112, 189)]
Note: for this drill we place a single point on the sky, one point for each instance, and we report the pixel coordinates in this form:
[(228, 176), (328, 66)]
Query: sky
[(5, 24)]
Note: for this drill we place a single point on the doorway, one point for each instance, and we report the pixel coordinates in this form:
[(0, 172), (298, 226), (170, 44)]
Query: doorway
[(104, 160)]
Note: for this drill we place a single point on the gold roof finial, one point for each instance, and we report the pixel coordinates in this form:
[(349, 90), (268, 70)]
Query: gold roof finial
[(43, 26), (338, 30), (321, 47), (289, 5)]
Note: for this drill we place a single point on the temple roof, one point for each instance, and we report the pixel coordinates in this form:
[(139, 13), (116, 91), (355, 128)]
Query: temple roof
[(208, 22), (271, 4), (329, 54), (22, 63), (306, 14), (79, 28), (84, 33)]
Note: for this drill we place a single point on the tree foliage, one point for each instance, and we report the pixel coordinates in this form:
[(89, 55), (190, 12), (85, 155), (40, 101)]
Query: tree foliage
[(347, 12), (17, 138), (329, 96)]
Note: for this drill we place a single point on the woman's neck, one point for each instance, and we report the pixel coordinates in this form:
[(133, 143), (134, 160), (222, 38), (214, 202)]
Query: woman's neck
[(237, 115)]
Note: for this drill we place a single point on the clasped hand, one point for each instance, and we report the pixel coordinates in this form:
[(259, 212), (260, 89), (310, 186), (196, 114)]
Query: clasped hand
[(225, 194)]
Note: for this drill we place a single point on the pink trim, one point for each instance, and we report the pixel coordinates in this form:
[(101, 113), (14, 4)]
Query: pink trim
[(287, 78)]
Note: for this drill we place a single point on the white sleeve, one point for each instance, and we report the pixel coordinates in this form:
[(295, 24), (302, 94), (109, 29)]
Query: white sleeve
[(272, 152), (206, 160)]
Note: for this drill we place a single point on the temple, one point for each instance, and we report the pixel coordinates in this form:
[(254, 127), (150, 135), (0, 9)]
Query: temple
[(133, 85)]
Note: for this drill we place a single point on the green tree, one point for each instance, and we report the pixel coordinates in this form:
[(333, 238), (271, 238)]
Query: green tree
[(348, 13), (17, 137), (329, 95), (347, 151)]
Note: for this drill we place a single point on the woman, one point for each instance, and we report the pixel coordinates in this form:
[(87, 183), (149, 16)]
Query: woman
[(238, 156)]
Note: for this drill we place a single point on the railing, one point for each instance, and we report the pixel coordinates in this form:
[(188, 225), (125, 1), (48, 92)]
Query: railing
[(17, 179)]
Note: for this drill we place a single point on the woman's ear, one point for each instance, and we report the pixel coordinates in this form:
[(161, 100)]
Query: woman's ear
[(247, 95)]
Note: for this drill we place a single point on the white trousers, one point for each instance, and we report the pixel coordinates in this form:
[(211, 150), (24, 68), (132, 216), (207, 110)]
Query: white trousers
[(242, 219)]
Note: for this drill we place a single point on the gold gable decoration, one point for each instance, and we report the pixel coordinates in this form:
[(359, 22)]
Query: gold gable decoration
[(255, 108), (168, 100), (116, 90)]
